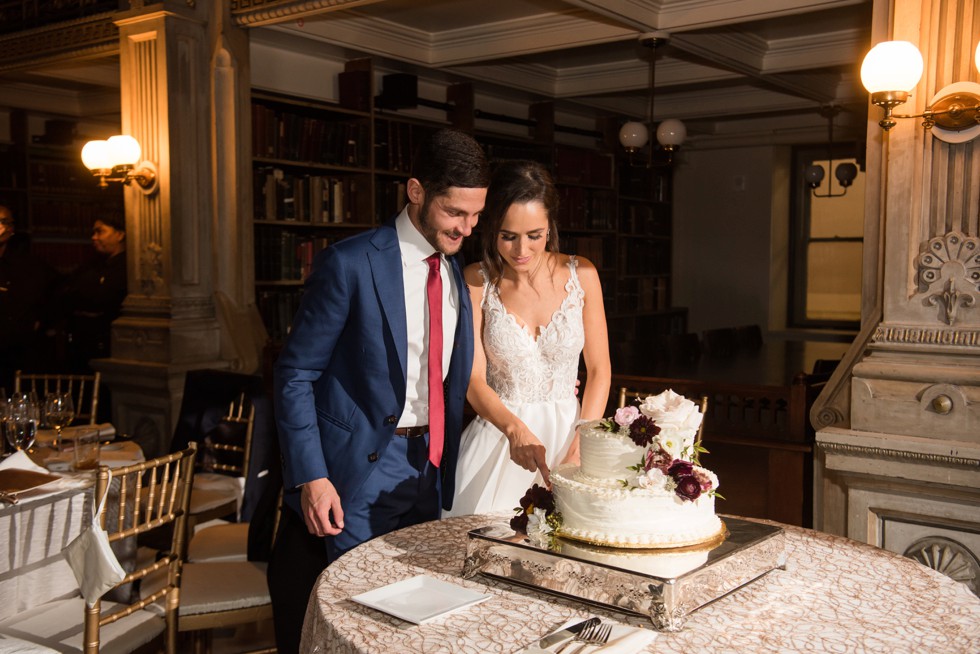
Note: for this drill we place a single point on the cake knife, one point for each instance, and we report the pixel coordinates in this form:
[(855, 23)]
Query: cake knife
[(557, 638)]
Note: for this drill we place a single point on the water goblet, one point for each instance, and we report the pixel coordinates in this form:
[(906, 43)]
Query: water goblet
[(20, 422), (59, 411)]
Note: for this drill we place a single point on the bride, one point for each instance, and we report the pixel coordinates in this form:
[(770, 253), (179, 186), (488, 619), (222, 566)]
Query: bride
[(535, 311)]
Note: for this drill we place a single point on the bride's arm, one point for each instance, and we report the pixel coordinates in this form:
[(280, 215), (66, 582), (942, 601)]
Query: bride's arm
[(596, 351), (525, 448)]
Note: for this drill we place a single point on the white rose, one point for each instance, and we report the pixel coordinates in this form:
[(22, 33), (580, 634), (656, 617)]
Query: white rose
[(672, 412)]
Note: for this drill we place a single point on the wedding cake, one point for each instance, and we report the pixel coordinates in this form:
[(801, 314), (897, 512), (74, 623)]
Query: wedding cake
[(639, 484)]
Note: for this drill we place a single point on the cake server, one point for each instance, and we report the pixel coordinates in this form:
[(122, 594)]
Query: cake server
[(557, 638)]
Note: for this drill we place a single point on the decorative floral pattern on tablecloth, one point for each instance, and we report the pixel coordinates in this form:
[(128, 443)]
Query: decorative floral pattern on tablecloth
[(836, 595)]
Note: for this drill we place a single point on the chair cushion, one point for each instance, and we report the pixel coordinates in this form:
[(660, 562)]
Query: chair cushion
[(222, 586), (59, 625), (221, 542), (11, 645), (212, 490)]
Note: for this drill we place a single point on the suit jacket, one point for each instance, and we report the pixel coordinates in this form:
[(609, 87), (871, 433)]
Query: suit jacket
[(341, 377)]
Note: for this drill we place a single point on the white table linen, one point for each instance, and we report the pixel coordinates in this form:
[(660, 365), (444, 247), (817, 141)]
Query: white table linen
[(35, 530)]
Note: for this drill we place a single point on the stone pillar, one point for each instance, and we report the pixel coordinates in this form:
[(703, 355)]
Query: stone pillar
[(184, 93), (898, 440)]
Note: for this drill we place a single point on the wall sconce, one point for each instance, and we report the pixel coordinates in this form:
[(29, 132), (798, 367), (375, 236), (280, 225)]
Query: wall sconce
[(893, 68), (845, 172), (671, 132), (119, 160)]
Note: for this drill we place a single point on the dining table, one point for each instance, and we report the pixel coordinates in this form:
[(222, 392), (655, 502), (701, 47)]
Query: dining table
[(37, 523), (832, 595)]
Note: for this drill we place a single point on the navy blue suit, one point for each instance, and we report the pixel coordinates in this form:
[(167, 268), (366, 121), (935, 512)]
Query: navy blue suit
[(340, 379)]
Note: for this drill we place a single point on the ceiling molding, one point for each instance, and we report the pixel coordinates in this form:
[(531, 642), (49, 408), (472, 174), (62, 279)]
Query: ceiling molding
[(255, 13), (498, 40)]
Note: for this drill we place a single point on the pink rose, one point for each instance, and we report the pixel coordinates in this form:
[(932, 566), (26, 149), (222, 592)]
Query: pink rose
[(626, 415)]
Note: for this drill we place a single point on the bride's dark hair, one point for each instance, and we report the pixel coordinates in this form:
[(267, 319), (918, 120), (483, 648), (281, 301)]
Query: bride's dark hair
[(515, 182)]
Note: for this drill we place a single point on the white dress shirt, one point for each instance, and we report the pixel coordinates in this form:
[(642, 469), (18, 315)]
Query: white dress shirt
[(414, 250)]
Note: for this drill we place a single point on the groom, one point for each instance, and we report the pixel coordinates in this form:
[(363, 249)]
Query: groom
[(351, 384)]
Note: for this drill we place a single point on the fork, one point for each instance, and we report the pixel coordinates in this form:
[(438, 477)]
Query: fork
[(595, 634)]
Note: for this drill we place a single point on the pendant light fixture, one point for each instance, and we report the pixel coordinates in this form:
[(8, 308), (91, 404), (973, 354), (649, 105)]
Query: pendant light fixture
[(671, 132), (845, 172)]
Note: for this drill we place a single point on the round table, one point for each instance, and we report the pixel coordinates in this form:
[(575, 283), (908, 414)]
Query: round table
[(835, 595)]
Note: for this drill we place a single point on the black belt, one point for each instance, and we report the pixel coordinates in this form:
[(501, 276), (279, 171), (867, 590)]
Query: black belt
[(412, 432)]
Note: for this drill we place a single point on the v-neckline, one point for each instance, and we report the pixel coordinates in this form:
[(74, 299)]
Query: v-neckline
[(521, 324)]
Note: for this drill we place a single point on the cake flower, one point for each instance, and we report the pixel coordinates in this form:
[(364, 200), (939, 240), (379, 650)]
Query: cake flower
[(626, 415), (666, 425), (536, 516)]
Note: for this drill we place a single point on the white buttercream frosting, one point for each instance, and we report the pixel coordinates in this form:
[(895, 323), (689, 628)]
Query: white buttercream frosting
[(612, 500)]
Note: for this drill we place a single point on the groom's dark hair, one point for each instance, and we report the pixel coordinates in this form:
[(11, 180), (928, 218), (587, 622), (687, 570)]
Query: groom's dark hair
[(448, 158)]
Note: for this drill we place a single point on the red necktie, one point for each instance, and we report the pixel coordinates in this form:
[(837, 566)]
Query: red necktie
[(437, 407)]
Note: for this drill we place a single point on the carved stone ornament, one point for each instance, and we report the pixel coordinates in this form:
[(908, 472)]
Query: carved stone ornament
[(151, 268), (948, 557), (949, 272)]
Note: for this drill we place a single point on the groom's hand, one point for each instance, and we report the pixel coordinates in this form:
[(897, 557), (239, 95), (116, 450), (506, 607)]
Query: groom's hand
[(321, 508)]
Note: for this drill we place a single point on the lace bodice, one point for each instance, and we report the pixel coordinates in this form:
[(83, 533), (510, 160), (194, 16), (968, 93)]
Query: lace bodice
[(522, 368)]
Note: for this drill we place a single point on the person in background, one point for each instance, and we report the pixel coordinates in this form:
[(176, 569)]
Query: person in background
[(26, 283), (92, 296), (89, 300), (535, 311), (363, 454)]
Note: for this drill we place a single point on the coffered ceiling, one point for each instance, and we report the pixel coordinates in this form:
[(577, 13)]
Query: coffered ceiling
[(730, 66)]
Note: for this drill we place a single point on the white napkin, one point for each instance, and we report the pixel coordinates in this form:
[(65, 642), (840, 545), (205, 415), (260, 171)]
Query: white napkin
[(624, 640), (20, 461)]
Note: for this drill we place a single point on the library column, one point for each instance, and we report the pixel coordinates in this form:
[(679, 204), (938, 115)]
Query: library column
[(174, 62)]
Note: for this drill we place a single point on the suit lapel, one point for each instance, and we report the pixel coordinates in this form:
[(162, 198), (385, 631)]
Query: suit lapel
[(386, 271)]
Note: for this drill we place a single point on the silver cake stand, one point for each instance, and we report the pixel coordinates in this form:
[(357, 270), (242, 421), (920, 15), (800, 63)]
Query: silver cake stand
[(664, 585)]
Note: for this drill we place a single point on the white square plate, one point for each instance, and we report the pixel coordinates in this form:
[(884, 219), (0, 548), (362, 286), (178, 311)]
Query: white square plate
[(419, 599)]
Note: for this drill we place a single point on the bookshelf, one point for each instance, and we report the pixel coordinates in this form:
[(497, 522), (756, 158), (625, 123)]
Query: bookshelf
[(306, 198), (54, 198)]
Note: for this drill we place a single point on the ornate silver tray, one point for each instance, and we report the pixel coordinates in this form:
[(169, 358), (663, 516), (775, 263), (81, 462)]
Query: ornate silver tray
[(664, 585)]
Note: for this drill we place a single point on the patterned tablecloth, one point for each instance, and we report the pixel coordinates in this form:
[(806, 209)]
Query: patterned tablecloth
[(836, 595)]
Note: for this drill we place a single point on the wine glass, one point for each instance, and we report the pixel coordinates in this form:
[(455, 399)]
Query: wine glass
[(59, 411), (20, 422)]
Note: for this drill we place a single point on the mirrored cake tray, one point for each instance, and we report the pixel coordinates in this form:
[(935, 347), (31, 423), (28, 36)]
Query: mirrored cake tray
[(665, 585)]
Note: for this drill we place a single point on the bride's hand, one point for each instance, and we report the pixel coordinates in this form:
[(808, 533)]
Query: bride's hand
[(527, 451)]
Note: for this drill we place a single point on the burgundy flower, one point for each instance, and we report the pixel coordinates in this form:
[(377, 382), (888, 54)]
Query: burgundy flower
[(643, 430), (536, 497), (658, 458), (680, 468), (703, 479), (688, 487)]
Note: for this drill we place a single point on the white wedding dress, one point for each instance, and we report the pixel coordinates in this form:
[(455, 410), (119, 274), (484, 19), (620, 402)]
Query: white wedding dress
[(535, 379)]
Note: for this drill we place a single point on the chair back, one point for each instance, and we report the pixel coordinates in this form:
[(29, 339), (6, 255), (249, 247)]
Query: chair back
[(627, 395), (84, 390), (227, 447), (152, 495)]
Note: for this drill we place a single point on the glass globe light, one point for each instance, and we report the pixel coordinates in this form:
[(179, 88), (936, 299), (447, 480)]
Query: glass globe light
[(633, 135), (845, 174), (96, 155), (813, 175), (671, 133), (125, 150), (892, 66)]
